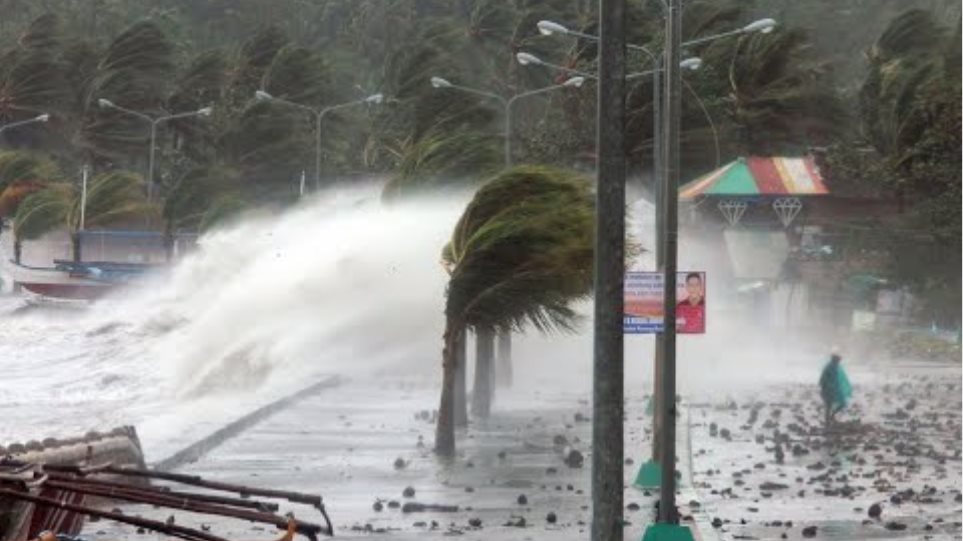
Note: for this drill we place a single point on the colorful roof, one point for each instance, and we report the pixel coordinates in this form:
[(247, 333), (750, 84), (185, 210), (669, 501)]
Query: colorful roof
[(755, 176)]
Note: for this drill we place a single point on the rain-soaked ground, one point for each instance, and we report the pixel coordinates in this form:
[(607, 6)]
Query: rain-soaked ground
[(763, 468), (891, 468)]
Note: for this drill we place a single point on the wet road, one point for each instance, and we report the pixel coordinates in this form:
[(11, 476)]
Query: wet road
[(900, 442)]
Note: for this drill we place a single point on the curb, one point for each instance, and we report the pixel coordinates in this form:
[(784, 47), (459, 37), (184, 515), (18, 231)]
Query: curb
[(198, 449)]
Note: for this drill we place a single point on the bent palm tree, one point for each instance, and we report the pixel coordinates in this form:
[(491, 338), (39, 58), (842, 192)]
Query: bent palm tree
[(521, 253)]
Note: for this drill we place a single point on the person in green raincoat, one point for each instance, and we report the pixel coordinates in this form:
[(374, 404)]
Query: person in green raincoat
[(834, 387)]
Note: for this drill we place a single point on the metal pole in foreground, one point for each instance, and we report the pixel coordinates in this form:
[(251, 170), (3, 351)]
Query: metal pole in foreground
[(673, 95), (607, 425), (658, 184)]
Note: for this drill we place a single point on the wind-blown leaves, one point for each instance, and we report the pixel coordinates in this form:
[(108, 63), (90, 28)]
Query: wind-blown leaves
[(43, 33), (21, 166), (134, 73), (783, 99), (111, 197), (522, 251), (444, 161)]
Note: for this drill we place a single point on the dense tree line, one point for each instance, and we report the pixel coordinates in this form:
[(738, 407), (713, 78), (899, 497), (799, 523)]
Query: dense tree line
[(879, 101)]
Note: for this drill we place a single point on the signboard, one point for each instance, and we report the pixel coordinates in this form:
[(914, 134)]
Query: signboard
[(643, 303)]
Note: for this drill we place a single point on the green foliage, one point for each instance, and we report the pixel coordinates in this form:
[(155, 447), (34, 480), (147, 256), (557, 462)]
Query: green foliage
[(222, 210), (111, 197), (522, 251), (911, 115), (439, 162), (195, 193), (134, 73), (20, 166)]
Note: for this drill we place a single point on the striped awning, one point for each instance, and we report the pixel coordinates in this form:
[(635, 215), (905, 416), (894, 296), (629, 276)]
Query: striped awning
[(756, 176)]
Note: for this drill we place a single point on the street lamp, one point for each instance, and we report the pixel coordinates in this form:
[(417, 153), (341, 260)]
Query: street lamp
[(526, 59), (762, 26), (319, 114), (39, 118), (154, 122), (572, 82)]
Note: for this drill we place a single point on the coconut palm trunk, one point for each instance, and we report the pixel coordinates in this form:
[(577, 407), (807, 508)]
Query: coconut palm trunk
[(503, 360), (445, 429), (168, 241), (481, 402), (76, 249), (461, 384)]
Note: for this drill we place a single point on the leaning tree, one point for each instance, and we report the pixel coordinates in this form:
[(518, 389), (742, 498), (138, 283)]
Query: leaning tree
[(520, 254)]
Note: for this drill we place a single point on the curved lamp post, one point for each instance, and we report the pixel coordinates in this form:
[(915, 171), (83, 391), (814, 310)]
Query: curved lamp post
[(154, 121), (39, 118), (573, 82), (762, 26), (319, 114)]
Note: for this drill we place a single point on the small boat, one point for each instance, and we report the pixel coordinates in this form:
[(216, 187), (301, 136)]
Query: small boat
[(70, 280)]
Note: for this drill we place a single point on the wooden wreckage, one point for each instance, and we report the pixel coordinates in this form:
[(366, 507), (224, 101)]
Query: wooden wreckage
[(49, 490)]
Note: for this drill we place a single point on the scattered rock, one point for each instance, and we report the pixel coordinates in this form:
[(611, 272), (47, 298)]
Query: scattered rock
[(378, 506), (895, 526), (809, 531), (875, 510), (632, 506), (393, 504), (400, 463), (551, 518), (414, 507), (522, 499), (475, 522), (408, 492), (717, 522), (574, 459)]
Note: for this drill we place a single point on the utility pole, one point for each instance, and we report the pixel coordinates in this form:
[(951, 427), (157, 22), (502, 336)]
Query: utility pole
[(608, 392), (670, 200), (659, 185)]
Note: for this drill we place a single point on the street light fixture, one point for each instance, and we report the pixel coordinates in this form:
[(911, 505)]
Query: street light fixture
[(762, 26), (528, 59), (572, 82), (104, 103), (319, 114), (39, 118)]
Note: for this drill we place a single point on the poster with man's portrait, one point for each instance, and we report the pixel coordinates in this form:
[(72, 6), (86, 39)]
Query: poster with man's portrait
[(644, 304)]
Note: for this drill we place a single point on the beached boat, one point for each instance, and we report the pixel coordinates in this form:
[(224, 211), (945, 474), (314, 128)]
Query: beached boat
[(87, 280)]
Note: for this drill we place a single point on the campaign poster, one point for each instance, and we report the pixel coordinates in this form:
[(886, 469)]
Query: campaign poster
[(644, 307)]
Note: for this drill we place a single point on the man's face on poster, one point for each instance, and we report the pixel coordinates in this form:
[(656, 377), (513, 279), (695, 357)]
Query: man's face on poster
[(693, 288)]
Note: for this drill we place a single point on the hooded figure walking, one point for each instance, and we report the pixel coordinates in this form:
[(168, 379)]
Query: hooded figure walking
[(834, 387)]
